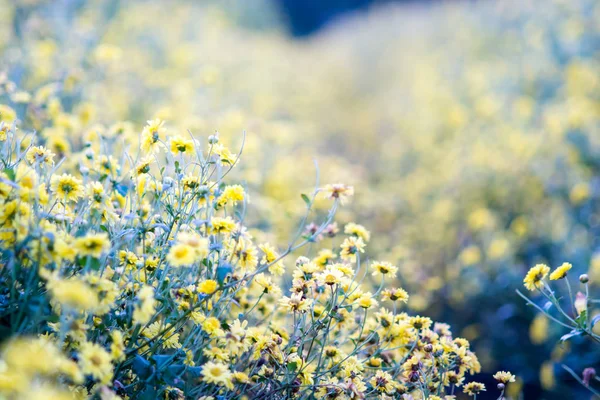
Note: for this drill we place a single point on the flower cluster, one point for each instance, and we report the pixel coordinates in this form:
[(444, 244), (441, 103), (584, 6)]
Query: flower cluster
[(132, 274)]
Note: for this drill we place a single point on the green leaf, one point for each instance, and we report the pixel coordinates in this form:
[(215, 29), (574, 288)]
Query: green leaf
[(292, 366), (10, 173), (582, 319), (306, 199)]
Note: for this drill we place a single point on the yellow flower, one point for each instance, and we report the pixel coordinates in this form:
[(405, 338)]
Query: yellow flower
[(144, 310), (151, 135), (181, 145), (534, 278), (419, 322), (7, 114), (366, 301), (395, 295), (117, 347), (95, 361), (217, 374), (73, 293), (92, 244), (225, 156), (196, 242), (208, 286), (338, 191), (40, 155), (143, 166), (295, 303), (330, 276), (351, 247), (212, 326), (384, 268), (474, 388), (560, 272), (168, 338), (222, 225), (181, 254), (504, 377), (357, 230), (233, 194), (382, 382), (66, 187)]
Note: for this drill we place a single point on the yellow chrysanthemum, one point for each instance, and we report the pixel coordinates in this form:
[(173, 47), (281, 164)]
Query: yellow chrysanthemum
[(560, 272), (534, 278)]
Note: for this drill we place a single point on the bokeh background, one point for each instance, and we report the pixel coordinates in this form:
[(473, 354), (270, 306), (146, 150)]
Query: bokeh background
[(470, 131)]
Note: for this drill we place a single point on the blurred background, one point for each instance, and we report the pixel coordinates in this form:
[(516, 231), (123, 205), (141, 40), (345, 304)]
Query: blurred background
[(470, 130)]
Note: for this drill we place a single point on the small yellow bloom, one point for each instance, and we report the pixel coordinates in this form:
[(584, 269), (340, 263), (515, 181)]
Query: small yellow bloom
[(384, 269), (504, 377), (474, 388), (534, 278), (357, 230), (67, 187), (338, 191), (95, 361), (180, 145), (560, 272), (40, 155), (93, 245), (217, 374), (73, 293), (208, 286), (181, 254)]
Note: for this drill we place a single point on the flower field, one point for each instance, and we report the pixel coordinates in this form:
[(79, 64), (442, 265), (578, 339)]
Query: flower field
[(195, 205)]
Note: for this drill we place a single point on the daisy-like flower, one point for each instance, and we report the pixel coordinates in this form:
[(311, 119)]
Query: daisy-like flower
[(231, 194), (382, 382), (152, 134), (225, 156), (212, 326), (419, 322), (384, 269), (93, 245), (208, 286), (143, 166), (181, 254), (181, 145), (504, 377), (474, 388), (397, 294), (534, 278), (40, 155), (330, 276), (295, 303), (560, 272), (67, 187), (222, 225), (217, 374), (366, 301), (95, 361), (338, 191), (73, 293), (351, 247), (357, 230)]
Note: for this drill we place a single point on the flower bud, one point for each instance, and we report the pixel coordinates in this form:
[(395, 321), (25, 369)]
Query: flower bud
[(213, 139), (584, 278), (588, 375), (501, 386)]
